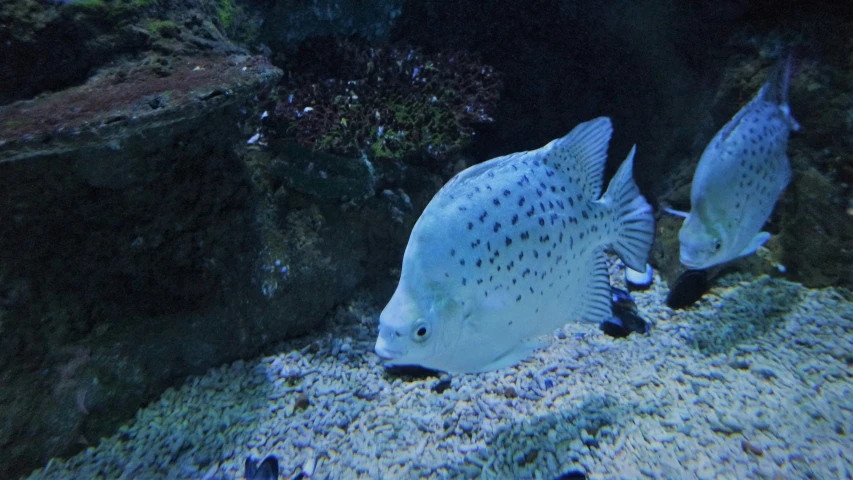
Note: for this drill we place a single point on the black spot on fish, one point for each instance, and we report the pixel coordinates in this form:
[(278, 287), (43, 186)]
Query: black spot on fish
[(585, 215), (462, 209), (520, 256), (497, 226), (497, 253), (470, 226), (526, 272), (483, 216), (579, 197), (581, 235), (508, 241), (506, 193), (513, 281), (535, 254), (541, 221), (514, 219), (452, 252), (492, 260), (531, 290), (517, 299), (479, 281), (496, 202), (479, 261), (464, 281), (538, 192), (521, 201), (571, 202), (542, 207), (462, 262), (562, 189), (525, 235), (531, 211)]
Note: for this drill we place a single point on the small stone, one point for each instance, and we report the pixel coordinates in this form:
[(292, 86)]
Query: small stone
[(750, 448), (739, 364), (302, 401), (509, 392), (530, 457), (764, 371)]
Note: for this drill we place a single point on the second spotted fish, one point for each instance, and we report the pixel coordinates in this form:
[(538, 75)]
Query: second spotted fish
[(740, 176), (512, 249)]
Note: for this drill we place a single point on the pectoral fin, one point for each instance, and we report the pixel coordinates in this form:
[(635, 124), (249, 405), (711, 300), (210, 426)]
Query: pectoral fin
[(677, 213), (516, 355), (755, 244)]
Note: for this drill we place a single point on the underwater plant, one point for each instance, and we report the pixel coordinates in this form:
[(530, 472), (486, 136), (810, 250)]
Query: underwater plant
[(346, 97)]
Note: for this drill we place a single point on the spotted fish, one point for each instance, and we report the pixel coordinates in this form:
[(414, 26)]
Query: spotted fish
[(512, 249), (740, 176)]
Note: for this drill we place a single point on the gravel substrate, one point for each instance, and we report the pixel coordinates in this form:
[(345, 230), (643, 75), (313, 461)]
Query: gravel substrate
[(754, 382)]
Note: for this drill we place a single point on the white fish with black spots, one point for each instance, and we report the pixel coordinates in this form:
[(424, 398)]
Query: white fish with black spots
[(512, 249), (739, 179)]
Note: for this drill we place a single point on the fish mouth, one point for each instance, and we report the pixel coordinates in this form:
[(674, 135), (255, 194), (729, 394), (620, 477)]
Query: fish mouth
[(688, 262), (691, 265), (386, 354)]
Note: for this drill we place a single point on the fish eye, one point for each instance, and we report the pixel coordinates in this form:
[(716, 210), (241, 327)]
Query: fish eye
[(421, 331)]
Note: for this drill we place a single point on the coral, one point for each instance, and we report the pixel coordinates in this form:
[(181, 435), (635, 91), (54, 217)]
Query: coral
[(225, 13), (347, 97)]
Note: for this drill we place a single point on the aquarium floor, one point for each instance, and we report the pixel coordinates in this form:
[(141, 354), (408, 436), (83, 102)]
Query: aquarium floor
[(754, 382)]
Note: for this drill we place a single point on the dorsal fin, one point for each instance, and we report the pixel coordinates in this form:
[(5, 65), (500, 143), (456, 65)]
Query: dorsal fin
[(586, 149)]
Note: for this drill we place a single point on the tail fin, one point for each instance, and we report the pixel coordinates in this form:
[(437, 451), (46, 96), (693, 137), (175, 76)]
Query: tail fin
[(775, 90), (634, 224)]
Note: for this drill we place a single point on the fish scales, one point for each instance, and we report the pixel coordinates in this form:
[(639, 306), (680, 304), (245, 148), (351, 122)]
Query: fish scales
[(739, 179), (512, 249)]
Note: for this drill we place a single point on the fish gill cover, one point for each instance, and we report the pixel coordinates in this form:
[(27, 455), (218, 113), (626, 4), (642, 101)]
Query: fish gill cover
[(346, 97)]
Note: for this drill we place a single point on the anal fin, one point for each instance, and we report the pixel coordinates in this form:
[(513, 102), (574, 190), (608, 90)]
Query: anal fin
[(595, 298)]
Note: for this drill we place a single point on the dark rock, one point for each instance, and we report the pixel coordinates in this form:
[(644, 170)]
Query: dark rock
[(572, 475), (626, 319), (687, 289), (128, 226)]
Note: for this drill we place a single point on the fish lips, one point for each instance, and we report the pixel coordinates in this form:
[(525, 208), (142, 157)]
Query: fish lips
[(688, 262), (384, 352)]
